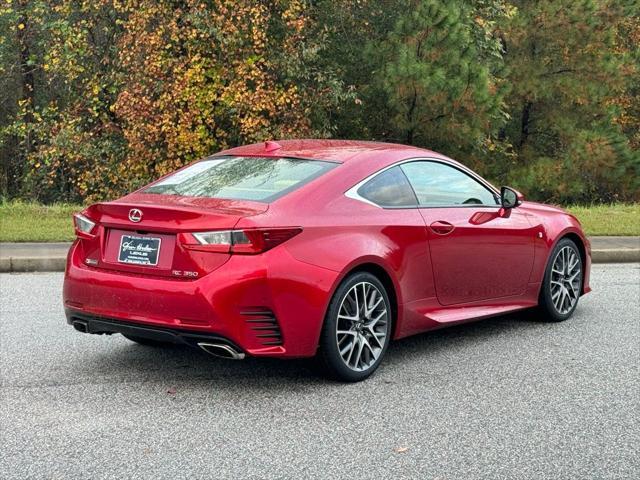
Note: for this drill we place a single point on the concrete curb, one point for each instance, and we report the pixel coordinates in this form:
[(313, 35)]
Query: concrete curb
[(33, 257), (57, 263), (51, 257), (615, 256), (34, 264)]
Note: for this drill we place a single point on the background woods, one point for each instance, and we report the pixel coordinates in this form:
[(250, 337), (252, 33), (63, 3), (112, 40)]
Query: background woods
[(98, 97)]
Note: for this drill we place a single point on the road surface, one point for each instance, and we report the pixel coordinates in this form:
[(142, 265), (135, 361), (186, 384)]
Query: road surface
[(502, 398)]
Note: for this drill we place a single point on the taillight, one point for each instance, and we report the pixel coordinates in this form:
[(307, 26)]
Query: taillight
[(248, 242), (83, 225)]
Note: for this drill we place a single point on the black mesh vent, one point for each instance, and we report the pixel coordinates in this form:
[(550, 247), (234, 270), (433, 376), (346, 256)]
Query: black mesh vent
[(264, 325)]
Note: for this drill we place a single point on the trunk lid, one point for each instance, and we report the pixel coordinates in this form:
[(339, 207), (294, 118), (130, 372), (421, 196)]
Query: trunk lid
[(143, 233)]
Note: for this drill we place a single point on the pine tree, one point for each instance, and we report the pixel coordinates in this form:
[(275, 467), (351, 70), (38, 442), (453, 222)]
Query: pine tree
[(566, 73), (437, 78)]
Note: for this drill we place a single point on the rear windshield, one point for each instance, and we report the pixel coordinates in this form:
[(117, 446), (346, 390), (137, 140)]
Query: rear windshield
[(241, 178)]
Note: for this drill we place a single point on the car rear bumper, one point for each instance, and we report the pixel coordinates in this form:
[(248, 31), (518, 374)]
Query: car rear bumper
[(106, 326), (265, 305)]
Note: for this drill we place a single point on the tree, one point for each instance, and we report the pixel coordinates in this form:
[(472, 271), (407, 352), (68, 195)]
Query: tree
[(439, 91), (63, 130), (427, 72), (133, 89), (566, 74), (202, 78), (98, 97)]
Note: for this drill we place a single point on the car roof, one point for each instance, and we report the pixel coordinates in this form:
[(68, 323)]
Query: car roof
[(333, 150)]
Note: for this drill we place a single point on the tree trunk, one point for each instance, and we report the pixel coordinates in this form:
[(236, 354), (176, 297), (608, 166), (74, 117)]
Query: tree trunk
[(26, 70), (524, 125), (410, 111), (18, 164)]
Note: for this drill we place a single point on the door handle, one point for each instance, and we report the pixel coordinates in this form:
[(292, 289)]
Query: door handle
[(441, 227)]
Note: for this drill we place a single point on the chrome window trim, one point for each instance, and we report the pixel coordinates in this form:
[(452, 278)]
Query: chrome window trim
[(353, 191)]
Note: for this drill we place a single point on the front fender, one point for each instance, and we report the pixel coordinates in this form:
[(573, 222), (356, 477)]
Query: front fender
[(555, 228)]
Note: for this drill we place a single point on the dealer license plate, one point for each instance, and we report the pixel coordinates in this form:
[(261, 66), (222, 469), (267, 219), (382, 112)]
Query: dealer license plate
[(139, 250)]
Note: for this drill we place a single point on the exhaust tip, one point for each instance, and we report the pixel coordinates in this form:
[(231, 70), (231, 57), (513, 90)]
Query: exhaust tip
[(221, 350), (81, 326)]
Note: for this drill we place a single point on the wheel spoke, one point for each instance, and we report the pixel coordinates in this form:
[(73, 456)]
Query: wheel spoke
[(359, 354), (372, 353), (346, 332), (566, 304), (563, 299), (573, 263), (376, 336), (355, 303), (371, 308), (353, 348), (573, 277), (348, 347), (556, 299), (374, 321)]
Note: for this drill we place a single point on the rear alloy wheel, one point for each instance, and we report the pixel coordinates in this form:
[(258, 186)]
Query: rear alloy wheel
[(357, 329), (562, 282)]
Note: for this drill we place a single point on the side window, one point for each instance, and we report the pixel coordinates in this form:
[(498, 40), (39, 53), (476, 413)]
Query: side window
[(439, 184), (389, 189)]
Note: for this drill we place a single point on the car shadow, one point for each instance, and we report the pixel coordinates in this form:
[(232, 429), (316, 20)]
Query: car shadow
[(460, 337), (182, 364)]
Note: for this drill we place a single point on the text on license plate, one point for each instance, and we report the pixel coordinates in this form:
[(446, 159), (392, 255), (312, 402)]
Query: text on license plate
[(139, 250)]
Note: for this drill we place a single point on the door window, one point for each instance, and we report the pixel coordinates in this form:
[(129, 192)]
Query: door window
[(439, 184)]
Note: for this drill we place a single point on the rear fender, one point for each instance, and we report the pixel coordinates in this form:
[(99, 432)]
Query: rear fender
[(370, 263)]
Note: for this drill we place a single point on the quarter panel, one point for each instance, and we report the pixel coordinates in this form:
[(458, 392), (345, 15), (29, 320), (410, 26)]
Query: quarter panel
[(394, 239)]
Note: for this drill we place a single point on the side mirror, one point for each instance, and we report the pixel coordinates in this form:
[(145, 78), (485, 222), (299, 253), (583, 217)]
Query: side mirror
[(510, 198)]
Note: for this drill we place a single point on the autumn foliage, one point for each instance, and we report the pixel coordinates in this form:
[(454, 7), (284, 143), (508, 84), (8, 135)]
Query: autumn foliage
[(98, 97)]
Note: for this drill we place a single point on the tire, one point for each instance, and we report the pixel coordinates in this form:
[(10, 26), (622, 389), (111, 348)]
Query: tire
[(562, 282), (147, 342), (365, 337)]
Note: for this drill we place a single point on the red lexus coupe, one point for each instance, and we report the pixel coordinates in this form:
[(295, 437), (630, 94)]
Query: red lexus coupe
[(318, 248)]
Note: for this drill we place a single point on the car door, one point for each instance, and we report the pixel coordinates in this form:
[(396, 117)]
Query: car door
[(479, 251)]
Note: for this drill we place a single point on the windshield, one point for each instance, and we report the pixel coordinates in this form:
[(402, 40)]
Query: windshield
[(241, 178)]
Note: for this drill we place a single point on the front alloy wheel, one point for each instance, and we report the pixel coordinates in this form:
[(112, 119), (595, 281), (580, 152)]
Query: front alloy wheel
[(565, 280), (562, 282), (357, 328)]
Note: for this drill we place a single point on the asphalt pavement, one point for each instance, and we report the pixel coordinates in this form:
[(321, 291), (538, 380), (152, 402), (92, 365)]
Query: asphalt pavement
[(503, 398)]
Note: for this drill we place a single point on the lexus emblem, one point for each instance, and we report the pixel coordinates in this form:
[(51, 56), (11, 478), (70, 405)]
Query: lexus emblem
[(135, 215)]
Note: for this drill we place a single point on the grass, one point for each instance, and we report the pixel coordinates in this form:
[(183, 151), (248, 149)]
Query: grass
[(31, 222), (615, 219)]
